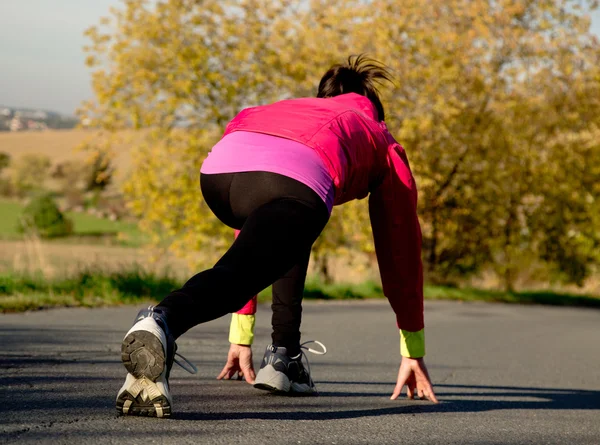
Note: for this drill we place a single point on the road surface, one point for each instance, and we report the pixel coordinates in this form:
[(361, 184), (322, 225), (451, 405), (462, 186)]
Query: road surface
[(504, 374)]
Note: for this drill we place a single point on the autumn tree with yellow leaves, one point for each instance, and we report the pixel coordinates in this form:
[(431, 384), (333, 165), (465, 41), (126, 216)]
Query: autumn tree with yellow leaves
[(496, 102)]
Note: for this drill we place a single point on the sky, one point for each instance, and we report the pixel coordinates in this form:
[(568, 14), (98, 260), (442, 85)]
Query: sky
[(41, 56)]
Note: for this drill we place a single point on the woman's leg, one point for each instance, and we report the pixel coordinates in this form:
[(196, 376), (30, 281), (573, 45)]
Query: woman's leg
[(287, 306), (281, 220)]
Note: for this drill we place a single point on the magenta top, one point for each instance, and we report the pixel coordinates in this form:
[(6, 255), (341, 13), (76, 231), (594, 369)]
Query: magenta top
[(245, 151)]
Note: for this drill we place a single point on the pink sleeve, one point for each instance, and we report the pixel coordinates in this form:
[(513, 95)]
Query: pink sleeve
[(250, 308), (397, 237)]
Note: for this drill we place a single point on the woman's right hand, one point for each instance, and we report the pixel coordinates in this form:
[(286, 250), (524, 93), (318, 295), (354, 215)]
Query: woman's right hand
[(239, 360)]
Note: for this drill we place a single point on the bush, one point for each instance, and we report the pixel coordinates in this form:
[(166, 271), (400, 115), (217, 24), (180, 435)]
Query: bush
[(29, 172), (4, 161), (43, 216), (6, 188), (70, 175)]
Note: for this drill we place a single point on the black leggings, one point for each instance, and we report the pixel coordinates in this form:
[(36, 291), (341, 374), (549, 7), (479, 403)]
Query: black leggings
[(279, 218)]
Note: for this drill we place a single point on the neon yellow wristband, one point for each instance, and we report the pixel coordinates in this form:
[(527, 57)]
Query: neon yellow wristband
[(241, 329), (412, 344)]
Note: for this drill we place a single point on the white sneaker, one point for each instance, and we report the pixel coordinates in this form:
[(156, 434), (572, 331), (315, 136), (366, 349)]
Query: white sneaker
[(143, 397), (148, 352)]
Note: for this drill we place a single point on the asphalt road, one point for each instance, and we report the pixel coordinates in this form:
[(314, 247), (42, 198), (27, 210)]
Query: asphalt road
[(504, 375)]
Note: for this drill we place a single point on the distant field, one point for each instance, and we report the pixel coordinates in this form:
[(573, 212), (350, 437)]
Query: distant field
[(85, 226), (61, 259), (59, 146)]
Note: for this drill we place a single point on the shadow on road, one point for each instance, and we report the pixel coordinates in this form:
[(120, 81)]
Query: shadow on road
[(454, 398)]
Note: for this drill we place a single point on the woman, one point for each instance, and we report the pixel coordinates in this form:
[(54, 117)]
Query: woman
[(275, 176)]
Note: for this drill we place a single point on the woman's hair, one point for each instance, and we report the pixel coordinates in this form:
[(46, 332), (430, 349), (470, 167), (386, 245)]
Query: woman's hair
[(359, 75)]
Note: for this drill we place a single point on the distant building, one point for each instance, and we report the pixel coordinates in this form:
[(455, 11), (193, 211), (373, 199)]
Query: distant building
[(36, 126), (14, 119), (16, 124)]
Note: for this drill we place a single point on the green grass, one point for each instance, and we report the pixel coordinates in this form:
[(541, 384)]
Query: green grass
[(86, 288), (10, 215), (85, 226), (89, 225), (314, 289), (344, 291), (525, 297), (93, 288)]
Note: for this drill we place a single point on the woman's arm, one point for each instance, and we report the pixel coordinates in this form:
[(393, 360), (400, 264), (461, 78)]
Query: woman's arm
[(241, 337), (239, 358), (397, 237), (241, 329)]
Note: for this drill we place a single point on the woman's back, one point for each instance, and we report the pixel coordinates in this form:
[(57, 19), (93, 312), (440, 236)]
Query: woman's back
[(343, 130)]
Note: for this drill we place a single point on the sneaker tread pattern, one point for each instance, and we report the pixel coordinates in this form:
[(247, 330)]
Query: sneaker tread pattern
[(143, 355)]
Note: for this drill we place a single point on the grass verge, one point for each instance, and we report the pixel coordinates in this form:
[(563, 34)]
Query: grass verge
[(525, 297), (92, 288), (86, 288)]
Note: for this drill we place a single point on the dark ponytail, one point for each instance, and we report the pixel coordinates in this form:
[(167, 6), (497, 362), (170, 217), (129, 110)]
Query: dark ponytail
[(359, 75)]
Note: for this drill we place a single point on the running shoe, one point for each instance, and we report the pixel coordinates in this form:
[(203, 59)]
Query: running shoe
[(148, 352), (282, 374)]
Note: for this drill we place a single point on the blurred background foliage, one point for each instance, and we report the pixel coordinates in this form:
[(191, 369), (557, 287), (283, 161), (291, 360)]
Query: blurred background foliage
[(496, 102)]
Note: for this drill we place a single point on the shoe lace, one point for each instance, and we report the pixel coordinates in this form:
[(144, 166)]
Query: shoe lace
[(303, 355), (185, 364)]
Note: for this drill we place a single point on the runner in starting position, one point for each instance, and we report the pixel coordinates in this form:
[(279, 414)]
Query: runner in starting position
[(275, 176)]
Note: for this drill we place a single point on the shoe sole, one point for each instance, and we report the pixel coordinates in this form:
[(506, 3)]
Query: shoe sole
[(276, 382), (302, 389), (269, 379), (295, 391), (143, 398), (144, 358), (143, 355)]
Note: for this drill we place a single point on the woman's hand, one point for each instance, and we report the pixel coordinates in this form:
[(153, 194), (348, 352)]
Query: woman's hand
[(239, 360), (413, 373)]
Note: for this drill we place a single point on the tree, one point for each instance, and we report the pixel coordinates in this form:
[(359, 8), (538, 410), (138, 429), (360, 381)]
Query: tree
[(477, 81), (493, 101), (100, 173)]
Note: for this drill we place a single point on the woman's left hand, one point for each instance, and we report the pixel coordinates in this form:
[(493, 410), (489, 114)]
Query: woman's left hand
[(413, 373), (239, 360)]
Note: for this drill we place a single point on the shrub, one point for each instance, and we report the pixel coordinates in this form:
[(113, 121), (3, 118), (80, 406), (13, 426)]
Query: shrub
[(6, 188), (70, 175), (43, 216), (4, 161), (29, 173)]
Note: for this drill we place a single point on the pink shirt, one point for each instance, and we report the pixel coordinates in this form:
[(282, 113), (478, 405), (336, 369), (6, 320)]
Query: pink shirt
[(363, 159), (244, 151)]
